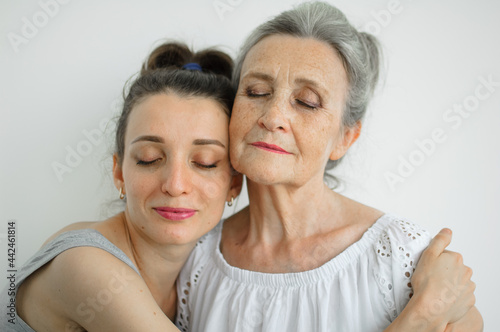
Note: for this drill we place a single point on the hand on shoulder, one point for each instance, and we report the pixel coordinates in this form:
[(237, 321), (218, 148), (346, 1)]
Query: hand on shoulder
[(443, 285)]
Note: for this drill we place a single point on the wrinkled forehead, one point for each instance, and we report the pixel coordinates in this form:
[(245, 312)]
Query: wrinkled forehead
[(298, 58)]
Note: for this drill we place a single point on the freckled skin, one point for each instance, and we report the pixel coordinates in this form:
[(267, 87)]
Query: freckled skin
[(176, 180), (291, 93), (312, 136)]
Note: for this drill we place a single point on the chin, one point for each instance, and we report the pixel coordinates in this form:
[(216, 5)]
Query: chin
[(266, 177), (177, 234)]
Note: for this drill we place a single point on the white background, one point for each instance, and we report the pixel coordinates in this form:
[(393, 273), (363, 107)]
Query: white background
[(66, 78)]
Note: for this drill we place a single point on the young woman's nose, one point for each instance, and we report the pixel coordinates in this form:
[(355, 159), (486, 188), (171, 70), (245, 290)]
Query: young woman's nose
[(177, 180)]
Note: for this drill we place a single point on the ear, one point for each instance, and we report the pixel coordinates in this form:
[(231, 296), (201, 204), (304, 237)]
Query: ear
[(118, 174), (350, 136), (236, 185)]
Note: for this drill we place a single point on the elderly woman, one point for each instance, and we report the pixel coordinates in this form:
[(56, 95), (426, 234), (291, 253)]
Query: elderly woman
[(302, 257)]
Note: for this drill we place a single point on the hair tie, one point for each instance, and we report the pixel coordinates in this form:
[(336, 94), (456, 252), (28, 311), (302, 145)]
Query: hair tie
[(192, 66)]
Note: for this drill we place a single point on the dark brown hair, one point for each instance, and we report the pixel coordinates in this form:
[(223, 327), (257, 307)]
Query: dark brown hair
[(163, 72)]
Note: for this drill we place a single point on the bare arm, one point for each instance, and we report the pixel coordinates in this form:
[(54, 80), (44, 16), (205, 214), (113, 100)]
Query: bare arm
[(92, 289), (443, 297)]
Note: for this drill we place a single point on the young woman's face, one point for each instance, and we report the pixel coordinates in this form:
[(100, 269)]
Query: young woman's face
[(287, 115), (175, 172)]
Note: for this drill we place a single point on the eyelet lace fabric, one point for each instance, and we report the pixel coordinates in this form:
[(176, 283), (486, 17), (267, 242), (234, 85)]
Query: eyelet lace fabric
[(364, 288), (185, 283)]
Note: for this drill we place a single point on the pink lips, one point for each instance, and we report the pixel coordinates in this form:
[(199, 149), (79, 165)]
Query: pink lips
[(175, 213), (270, 147)]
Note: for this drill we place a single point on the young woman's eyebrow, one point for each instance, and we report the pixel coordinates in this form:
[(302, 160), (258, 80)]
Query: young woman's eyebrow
[(208, 142), (148, 138)]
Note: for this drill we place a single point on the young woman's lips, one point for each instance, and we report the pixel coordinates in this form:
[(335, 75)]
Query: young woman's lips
[(270, 147), (175, 213)]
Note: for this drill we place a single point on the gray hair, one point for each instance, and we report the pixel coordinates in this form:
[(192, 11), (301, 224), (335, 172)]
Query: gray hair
[(360, 52)]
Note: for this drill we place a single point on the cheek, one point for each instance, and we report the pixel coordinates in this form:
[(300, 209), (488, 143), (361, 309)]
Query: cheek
[(242, 118), (137, 195), (138, 185), (214, 189), (316, 137)]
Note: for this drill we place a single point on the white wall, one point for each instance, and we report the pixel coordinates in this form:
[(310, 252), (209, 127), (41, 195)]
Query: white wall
[(65, 78)]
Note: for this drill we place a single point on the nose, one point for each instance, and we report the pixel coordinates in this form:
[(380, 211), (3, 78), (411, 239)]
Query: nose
[(177, 180), (275, 116)]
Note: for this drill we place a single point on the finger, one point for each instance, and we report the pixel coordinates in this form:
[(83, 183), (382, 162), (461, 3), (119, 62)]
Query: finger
[(439, 243)]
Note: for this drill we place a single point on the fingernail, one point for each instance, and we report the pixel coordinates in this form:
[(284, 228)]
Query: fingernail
[(446, 231)]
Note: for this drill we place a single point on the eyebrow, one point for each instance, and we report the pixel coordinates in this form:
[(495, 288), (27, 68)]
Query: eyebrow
[(148, 138), (262, 76), (308, 82), (208, 142), (158, 139)]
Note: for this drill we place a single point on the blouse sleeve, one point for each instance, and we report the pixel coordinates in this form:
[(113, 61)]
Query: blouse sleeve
[(183, 290), (190, 273), (398, 250)]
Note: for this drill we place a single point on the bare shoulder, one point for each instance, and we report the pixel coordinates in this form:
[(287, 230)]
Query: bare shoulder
[(47, 298), (71, 227), (109, 228), (90, 288), (359, 213)]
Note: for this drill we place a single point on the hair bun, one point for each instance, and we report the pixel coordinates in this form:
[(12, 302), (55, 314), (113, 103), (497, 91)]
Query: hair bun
[(168, 56), (214, 61), (175, 55)]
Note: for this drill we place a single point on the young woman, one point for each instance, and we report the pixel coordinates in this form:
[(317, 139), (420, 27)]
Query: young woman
[(171, 167)]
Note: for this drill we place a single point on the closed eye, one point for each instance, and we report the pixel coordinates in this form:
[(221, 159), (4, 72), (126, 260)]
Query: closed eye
[(147, 163), (255, 94), (205, 166), (302, 103)]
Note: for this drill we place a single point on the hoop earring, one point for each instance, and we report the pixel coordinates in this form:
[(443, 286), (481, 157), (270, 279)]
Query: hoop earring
[(231, 202), (122, 195)]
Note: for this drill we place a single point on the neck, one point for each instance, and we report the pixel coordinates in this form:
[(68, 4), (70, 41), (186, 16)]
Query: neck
[(279, 213), (159, 264)]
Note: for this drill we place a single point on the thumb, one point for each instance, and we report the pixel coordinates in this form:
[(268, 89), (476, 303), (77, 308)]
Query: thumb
[(439, 243)]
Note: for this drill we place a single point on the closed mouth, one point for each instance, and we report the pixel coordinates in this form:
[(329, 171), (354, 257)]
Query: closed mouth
[(270, 147)]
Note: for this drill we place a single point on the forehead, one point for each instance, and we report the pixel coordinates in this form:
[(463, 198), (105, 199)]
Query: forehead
[(306, 58), (173, 116)]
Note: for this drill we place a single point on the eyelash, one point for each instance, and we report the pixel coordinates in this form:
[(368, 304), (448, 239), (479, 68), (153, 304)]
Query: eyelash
[(300, 102), (206, 166), (252, 94), (148, 163)]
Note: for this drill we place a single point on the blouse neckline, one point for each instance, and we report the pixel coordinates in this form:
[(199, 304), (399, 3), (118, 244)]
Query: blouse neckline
[(295, 279)]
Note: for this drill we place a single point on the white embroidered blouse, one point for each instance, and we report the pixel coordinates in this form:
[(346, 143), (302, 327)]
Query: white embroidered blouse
[(362, 289)]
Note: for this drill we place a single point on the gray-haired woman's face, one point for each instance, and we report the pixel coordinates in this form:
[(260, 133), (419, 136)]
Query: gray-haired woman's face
[(286, 120)]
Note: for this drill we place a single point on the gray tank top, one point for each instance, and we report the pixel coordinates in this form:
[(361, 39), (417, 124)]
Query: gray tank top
[(9, 320)]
